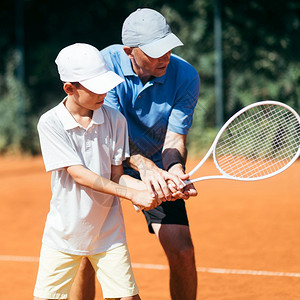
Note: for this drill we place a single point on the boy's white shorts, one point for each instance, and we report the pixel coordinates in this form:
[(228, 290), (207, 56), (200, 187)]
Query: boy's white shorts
[(57, 272)]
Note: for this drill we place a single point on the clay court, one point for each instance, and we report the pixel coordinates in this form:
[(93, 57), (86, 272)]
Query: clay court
[(246, 236)]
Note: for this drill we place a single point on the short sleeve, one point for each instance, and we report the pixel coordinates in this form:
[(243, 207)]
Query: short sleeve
[(57, 148), (181, 116)]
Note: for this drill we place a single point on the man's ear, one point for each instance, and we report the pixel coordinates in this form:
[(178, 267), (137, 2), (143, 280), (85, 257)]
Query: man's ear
[(69, 88), (128, 51)]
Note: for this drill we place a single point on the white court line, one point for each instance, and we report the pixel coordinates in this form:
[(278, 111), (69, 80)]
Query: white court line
[(220, 271), (247, 272), (165, 267)]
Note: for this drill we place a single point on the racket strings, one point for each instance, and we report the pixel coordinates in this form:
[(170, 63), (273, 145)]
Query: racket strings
[(261, 141), (257, 167), (277, 141), (263, 165)]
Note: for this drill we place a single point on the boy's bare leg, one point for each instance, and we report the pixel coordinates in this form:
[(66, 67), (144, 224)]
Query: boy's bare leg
[(83, 287), (177, 244)]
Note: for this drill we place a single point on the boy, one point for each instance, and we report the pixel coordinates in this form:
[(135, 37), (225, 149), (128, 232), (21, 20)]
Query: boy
[(83, 143)]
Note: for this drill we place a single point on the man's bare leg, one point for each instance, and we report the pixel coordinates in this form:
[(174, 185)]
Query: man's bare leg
[(178, 246), (135, 297), (83, 287)]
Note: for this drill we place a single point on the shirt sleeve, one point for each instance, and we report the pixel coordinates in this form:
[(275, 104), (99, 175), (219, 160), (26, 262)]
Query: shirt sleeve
[(181, 116), (57, 148)]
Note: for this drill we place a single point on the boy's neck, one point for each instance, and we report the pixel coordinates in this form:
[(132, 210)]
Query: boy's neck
[(81, 115)]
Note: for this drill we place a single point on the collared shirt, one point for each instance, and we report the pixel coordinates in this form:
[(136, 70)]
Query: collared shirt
[(82, 221), (166, 102)]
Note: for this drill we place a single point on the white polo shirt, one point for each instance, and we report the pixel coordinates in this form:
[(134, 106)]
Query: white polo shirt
[(82, 221)]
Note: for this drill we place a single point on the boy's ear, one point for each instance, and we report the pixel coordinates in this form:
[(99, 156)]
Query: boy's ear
[(69, 88), (128, 51)]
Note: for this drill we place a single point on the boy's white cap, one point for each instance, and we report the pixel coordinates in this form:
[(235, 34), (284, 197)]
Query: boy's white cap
[(148, 29), (84, 63)]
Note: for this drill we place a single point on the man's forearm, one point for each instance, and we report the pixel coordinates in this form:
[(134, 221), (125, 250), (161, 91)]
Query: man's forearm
[(139, 163), (128, 181), (174, 150)]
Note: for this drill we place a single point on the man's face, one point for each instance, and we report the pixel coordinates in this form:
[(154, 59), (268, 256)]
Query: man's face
[(156, 67)]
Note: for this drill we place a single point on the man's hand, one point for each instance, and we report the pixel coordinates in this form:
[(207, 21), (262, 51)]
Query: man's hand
[(189, 190), (157, 181)]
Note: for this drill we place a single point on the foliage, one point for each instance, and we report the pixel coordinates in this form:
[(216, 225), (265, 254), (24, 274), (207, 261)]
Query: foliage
[(261, 53), (16, 130), (261, 50)]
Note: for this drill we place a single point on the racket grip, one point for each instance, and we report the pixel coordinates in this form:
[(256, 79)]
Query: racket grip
[(183, 182), (137, 209), (186, 182)]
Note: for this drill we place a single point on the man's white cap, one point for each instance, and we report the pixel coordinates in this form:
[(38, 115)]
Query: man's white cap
[(84, 63), (148, 29)]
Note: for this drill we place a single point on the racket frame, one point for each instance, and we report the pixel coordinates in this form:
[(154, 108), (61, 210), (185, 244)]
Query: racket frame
[(213, 146)]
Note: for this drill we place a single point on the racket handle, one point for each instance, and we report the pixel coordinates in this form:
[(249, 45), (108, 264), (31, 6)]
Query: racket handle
[(186, 182), (183, 182), (137, 209)]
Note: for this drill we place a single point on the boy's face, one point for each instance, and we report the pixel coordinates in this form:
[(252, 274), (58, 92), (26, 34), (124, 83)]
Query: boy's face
[(155, 67), (84, 98)]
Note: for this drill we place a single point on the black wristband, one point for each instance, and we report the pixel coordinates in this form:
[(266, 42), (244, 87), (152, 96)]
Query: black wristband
[(171, 157)]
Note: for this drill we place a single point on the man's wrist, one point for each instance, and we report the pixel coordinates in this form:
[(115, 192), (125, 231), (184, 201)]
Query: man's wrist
[(171, 165)]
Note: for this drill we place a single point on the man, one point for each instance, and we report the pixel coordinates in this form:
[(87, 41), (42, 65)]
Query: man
[(158, 98)]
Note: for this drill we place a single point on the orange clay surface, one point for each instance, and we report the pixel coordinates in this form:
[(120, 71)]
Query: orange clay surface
[(237, 228)]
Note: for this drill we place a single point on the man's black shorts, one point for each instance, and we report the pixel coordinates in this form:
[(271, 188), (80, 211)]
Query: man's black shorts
[(170, 212)]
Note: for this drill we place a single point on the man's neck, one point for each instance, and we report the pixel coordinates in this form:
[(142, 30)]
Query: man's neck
[(144, 77)]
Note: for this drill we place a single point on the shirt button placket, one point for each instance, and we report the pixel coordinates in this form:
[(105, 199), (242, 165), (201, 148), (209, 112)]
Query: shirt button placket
[(87, 141)]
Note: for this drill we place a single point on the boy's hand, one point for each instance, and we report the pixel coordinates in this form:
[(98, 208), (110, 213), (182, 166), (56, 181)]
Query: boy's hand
[(145, 200)]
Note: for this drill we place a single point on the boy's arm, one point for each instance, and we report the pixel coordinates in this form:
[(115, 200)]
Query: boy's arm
[(87, 178)]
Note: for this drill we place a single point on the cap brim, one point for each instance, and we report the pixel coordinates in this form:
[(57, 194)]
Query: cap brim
[(161, 47), (103, 83)]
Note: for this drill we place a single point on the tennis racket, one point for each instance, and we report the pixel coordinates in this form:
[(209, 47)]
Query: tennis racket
[(259, 141)]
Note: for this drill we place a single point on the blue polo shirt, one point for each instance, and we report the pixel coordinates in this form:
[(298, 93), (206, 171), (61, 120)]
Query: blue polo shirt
[(163, 103)]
